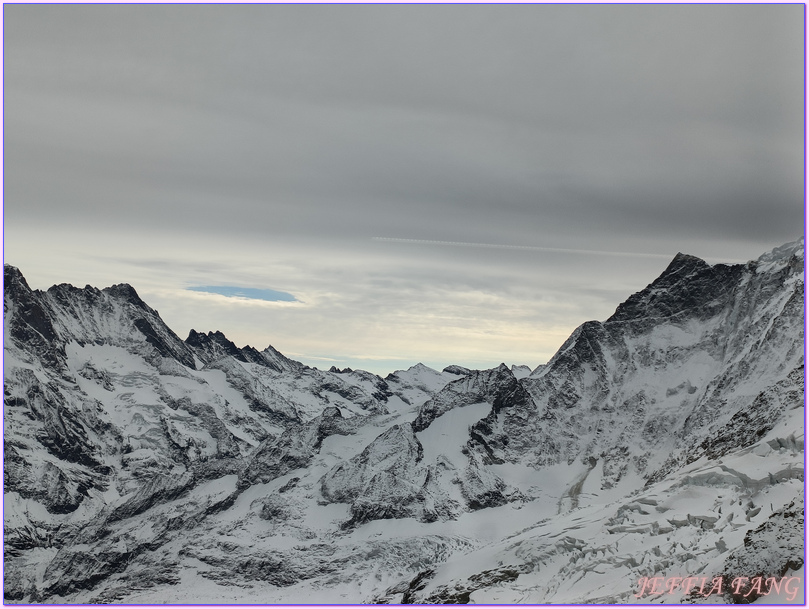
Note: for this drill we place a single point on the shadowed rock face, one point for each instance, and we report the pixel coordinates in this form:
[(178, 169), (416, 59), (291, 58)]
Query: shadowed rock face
[(389, 479), (295, 447), (126, 448), (388, 468), (42, 323), (28, 320), (215, 345), (688, 286), (769, 551), (498, 386)]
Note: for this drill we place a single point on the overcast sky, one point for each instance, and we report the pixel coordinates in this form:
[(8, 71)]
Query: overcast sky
[(444, 184)]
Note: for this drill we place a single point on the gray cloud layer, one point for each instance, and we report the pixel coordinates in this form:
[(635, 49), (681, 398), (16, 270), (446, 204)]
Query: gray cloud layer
[(310, 129)]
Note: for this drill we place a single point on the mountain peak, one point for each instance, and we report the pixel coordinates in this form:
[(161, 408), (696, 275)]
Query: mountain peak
[(784, 251), (684, 263), (125, 292), (688, 283), (12, 276), (455, 369), (214, 345)]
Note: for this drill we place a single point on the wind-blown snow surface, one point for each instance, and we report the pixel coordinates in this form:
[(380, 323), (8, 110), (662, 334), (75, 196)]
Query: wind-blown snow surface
[(664, 442)]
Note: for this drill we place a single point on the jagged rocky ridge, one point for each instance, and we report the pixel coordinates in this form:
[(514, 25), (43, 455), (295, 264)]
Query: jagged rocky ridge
[(143, 468)]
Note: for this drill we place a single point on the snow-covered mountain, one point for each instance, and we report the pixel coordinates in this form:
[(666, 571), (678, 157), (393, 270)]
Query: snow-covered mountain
[(665, 442)]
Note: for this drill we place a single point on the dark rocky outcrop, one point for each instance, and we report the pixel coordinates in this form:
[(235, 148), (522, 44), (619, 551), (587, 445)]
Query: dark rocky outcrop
[(769, 551), (497, 386), (215, 345), (295, 447)]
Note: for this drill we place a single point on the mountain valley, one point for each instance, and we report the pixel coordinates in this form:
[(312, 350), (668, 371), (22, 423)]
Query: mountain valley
[(664, 442)]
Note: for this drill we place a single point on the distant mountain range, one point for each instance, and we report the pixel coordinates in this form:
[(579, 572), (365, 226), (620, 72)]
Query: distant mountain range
[(657, 455)]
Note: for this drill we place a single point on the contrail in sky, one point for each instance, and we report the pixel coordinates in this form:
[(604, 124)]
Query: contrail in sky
[(522, 247)]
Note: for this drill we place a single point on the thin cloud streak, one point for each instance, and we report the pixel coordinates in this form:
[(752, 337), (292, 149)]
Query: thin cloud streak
[(523, 247), (245, 293)]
